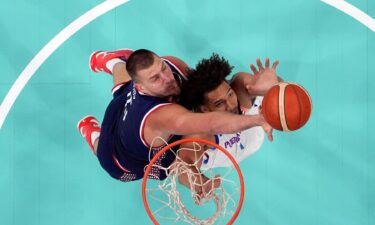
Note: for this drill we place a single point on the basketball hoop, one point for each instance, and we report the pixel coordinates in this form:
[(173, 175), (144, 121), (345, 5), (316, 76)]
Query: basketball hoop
[(168, 204)]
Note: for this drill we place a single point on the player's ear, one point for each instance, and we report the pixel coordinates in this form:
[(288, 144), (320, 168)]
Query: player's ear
[(203, 109), (139, 87)]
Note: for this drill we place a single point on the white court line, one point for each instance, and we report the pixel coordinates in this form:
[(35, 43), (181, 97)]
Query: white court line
[(352, 11), (50, 48)]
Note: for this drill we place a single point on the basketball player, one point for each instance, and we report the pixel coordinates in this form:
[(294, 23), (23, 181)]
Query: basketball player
[(142, 109), (207, 90)]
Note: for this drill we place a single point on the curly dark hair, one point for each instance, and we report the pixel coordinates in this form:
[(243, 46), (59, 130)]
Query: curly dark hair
[(206, 77)]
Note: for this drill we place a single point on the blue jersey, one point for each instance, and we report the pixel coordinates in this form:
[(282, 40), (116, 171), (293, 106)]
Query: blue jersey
[(122, 150)]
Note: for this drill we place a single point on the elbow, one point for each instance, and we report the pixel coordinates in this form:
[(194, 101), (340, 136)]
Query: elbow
[(239, 78)]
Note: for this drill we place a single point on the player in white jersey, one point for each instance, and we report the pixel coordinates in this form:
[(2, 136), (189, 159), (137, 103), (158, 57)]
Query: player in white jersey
[(207, 90), (240, 145)]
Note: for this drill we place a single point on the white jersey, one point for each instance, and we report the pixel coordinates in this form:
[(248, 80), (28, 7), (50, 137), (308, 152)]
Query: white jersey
[(240, 145)]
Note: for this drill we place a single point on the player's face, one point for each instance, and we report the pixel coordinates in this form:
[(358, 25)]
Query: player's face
[(158, 80), (222, 99)]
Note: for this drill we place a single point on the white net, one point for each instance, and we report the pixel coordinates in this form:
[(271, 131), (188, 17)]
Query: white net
[(191, 196)]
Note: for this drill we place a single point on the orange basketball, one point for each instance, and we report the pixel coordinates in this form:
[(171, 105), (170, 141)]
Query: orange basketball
[(286, 106)]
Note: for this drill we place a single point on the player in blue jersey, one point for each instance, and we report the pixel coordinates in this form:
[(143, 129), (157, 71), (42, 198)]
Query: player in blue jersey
[(143, 109)]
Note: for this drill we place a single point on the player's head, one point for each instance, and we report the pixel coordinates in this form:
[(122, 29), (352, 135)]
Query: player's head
[(207, 90), (151, 74)]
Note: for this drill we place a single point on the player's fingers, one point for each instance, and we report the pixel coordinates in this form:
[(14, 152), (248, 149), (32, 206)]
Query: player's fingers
[(267, 62), (270, 136), (198, 198), (260, 65), (253, 68), (274, 65), (217, 181)]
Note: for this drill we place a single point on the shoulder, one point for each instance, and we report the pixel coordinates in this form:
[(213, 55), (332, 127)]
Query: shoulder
[(167, 117), (177, 63)]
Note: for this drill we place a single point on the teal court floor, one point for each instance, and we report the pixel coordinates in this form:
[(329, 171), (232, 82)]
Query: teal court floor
[(322, 174)]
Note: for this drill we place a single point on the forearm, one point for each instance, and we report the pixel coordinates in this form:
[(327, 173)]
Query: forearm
[(216, 123), (228, 124), (174, 119)]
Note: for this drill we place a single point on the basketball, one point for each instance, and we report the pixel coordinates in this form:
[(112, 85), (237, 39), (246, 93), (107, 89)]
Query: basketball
[(286, 106)]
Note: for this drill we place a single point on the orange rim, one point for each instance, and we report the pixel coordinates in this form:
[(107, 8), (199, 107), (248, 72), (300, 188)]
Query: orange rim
[(199, 140)]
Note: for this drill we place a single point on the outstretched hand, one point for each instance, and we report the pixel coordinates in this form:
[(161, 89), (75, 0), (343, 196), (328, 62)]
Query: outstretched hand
[(265, 77), (206, 189)]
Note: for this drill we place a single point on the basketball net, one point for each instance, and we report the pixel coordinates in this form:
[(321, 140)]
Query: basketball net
[(206, 197)]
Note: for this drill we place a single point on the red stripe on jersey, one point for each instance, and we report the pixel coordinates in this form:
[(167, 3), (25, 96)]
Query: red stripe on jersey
[(118, 86), (119, 165)]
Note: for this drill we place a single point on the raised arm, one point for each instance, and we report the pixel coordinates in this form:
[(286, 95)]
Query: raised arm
[(248, 86)]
